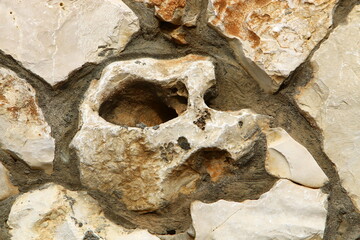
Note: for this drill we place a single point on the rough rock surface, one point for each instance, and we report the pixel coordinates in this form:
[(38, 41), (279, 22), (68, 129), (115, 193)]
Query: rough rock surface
[(52, 212), (271, 38), (287, 211), (53, 38), (332, 99), (147, 135), (7, 189), (287, 158), (23, 129)]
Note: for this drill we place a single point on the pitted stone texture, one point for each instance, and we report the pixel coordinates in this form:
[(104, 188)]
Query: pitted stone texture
[(287, 158), (54, 38), (7, 189), (332, 99), (23, 129), (149, 166), (53, 212), (287, 211), (271, 38)]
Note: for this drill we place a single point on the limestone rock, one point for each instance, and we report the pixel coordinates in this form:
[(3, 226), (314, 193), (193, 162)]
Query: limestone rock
[(53, 212), (271, 38), (332, 99), (147, 135), (7, 189), (287, 211), (23, 129), (289, 159), (54, 38)]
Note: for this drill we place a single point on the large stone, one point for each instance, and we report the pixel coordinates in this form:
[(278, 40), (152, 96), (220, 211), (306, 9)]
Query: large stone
[(147, 135), (53, 212), (332, 100), (287, 211), (271, 38), (7, 189), (54, 38), (23, 130), (287, 158)]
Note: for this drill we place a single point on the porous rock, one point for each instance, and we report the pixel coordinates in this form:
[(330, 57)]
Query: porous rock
[(24, 133), (287, 211), (53, 212), (54, 38), (7, 189), (332, 100), (271, 38)]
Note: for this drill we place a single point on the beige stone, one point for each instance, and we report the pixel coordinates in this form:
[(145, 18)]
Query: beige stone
[(7, 189), (287, 211), (332, 100), (54, 38), (271, 38), (53, 212), (23, 129)]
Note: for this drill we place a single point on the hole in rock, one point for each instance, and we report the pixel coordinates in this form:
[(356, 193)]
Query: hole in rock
[(143, 104)]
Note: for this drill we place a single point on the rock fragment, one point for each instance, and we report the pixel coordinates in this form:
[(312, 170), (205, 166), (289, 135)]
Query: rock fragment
[(271, 38), (54, 38), (7, 189), (332, 100), (287, 211), (23, 129), (64, 215)]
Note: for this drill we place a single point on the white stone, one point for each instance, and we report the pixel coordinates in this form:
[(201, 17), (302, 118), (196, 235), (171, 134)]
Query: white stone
[(54, 38), (287, 211), (332, 99), (23, 129), (271, 38), (53, 212), (7, 189), (150, 165), (286, 158)]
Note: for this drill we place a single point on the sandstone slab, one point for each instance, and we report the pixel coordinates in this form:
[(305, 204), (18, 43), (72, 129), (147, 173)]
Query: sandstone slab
[(53, 212), (23, 129), (287, 158), (7, 189), (54, 38), (287, 211), (271, 38), (332, 100)]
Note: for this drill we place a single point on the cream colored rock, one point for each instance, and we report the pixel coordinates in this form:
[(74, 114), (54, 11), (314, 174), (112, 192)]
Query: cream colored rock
[(271, 38), (7, 189), (147, 135), (287, 158), (53, 212), (54, 38), (287, 211), (332, 99), (23, 129)]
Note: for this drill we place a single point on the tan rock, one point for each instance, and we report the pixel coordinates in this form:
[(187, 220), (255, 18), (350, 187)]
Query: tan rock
[(53, 212), (7, 189), (287, 211), (54, 38), (287, 158), (332, 99), (23, 129), (271, 38)]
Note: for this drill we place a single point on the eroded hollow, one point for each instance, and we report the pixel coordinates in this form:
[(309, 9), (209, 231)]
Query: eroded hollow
[(144, 104)]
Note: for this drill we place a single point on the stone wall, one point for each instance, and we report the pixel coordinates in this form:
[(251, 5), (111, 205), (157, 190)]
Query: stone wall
[(179, 119)]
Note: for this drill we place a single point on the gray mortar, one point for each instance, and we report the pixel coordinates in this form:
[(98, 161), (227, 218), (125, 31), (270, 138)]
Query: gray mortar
[(236, 90)]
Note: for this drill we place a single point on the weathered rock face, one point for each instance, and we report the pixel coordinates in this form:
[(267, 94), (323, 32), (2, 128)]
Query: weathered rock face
[(53, 38), (147, 135), (23, 129), (7, 189), (287, 211), (332, 99), (271, 38), (287, 158), (52, 212)]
